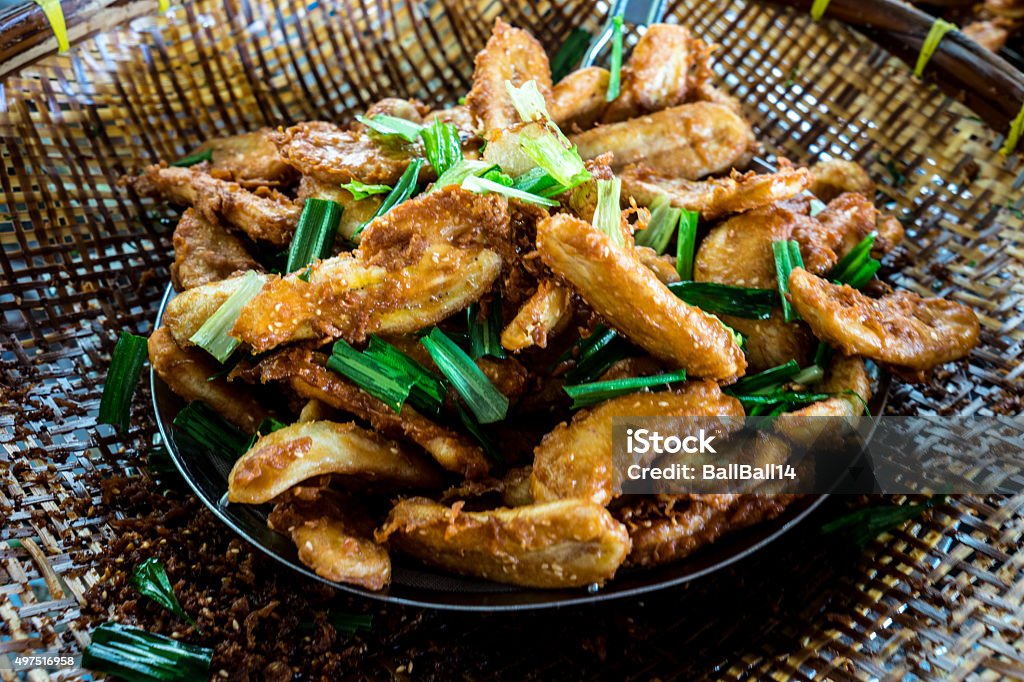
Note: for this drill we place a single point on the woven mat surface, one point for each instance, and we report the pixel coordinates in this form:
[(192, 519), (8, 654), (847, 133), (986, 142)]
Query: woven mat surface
[(84, 258)]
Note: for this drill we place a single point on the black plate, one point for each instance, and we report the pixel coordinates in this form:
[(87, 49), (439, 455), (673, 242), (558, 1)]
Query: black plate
[(417, 585)]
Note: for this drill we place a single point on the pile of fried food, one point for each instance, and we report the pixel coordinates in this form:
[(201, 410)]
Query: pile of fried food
[(490, 294)]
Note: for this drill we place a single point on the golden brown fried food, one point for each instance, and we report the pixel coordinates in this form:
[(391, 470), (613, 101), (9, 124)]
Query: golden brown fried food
[(264, 215), (688, 141), (187, 311), (354, 213), (773, 342), (575, 459), (249, 157), (288, 456), (187, 372), (332, 155), (900, 329), (515, 487), (333, 537), (415, 266), (409, 109), (663, 267), (578, 100), (836, 176), (655, 75), (633, 300), (716, 197), (547, 311), (850, 217), (511, 54), (307, 376), (568, 543), (205, 252)]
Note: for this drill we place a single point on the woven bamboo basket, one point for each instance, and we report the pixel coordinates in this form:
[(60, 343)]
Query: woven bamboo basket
[(84, 258)]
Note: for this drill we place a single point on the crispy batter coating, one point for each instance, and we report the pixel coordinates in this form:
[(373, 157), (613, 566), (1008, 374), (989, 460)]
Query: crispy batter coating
[(772, 342), (850, 217), (187, 311), (288, 456), (568, 543), (575, 459), (205, 252), (333, 537), (332, 155), (249, 157), (415, 266), (716, 197), (656, 73), (186, 371), (663, 267), (688, 141), (306, 374), (633, 300), (409, 109), (900, 329), (354, 213), (264, 215), (836, 176), (578, 100), (511, 54), (546, 312)]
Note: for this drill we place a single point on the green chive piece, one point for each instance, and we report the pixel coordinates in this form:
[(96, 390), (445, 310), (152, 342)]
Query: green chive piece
[(215, 335), (123, 375), (485, 401), (134, 655), (402, 190), (584, 395), (768, 380), (528, 101), (553, 152), (351, 623), (267, 426), (370, 374), (199, 424), (615, 67), (360, 191), (936, 33), (151, 580), (479, 435), (315, 233), (481, 186), (598, 351), (809, 375), (485, 334), (686, 243), (570, 54), (538, 181), (392, 126), (797, 397), (864, 525), (442, 145), (722, 299), (664, 219), (193, 159), (427, 392), (608, 215), (462, 170), (787, 256), (857, 267)]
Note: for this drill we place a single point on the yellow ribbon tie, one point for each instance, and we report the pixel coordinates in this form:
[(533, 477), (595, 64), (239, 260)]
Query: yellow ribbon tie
[(931, 43), (818, 8), (55, 15), (1013, 135)]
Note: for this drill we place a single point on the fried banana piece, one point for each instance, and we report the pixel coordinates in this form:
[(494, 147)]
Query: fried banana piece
[(836, 176), (688, 141), (511, 54), (850, 217), (307, 376), (288, 456), (409, 109), (249, 157), (547, 311), (899, 329), (264, 215), (716, 197), (187, 371), (354, 213), (569, 543), (187, 311), (422, 261), (772, 342), (663, 267), (634, 301), (333, 537), (655, 76), (575, 459), (205, 252), (578, 100), (332, 155)]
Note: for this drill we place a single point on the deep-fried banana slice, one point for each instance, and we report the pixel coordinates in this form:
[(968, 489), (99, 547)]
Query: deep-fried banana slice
[(205, 252), (248, 157), (543, 314), (900, 329), (332, 155), (688, 141), (288, 456), (836, 176), (633, 300), (575, 459), (569, 543), (578, 100), (656, 74)]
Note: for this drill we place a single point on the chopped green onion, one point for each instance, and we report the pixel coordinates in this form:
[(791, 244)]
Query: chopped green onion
[(193, 159), (864, 525), (864, 274), (485, 401), (608, 215), (390, 126), (538, 181), (787, 257), (125, 365), (817, 206), (369, 373), (768, 380), (570, 54), (427, 393), (151, 580), (809, 375), (402, 190), (773, 397), (199, 423), (481, 186), (528, 101), (485, 334), (664, 219), (553, 152), (462, 170), (584, 395), (822, 354), (135, 655), (215, 335), (722, 299), (478, 433), (360, 190), (267, 426), (351, 623), (936, 33), (857, 267), (442, 145), (686, 243), (598, 351), (615, 67), (314, 235)]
